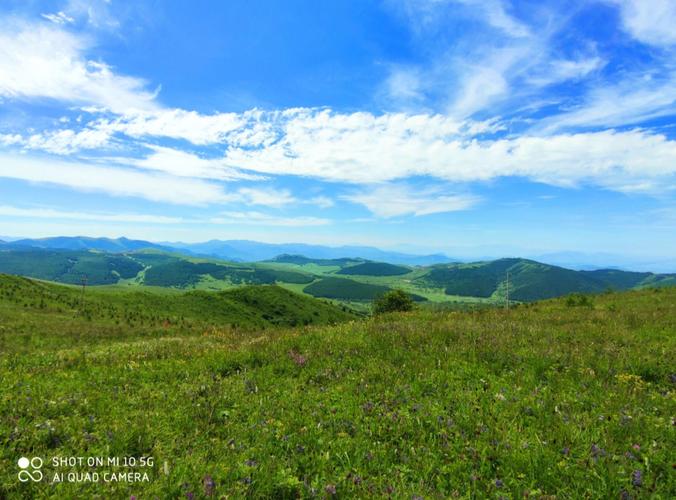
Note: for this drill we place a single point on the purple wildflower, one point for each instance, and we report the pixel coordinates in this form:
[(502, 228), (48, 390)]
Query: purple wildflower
[(499, 483), (597, 451), (565, 451), (190, 495), (637, 478), (209, 485), (330, 489)]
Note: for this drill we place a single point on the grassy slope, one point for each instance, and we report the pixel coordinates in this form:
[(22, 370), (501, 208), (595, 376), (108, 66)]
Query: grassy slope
[(546, 398), (28, 306)]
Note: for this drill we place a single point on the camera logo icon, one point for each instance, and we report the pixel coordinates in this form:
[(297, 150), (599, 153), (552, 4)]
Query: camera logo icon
[(30, 469)]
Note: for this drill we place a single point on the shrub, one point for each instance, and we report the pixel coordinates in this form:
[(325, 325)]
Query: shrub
[(394, 300), (579, 300)]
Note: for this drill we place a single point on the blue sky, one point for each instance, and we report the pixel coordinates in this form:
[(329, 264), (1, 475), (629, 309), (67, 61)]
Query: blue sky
[(472, 127)]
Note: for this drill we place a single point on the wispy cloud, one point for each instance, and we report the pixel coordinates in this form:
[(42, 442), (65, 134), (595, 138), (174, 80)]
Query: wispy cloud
[(49, 213), (38, 60), (397, 200), (59, 18), (650, 21), (262, 219), (112, 180), (184, 164)]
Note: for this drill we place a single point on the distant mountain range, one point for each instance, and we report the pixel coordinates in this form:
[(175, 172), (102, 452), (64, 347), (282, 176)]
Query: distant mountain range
[(232, 250), (142, 264), (252, 251)]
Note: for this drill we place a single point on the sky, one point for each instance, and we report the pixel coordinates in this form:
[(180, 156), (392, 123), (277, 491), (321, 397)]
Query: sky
[(461, 126)]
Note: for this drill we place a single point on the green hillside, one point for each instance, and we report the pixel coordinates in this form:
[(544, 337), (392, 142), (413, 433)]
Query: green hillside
[(69, 266), (344, 289), (183, 273), (530, 280), (121, 312), (375, 269), (346, 280), (544, 400)]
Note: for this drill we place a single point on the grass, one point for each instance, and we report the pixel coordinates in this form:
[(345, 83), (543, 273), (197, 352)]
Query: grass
[(565, 398)]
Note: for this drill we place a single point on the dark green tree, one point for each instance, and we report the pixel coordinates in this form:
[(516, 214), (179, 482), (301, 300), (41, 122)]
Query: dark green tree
[(394, 300)]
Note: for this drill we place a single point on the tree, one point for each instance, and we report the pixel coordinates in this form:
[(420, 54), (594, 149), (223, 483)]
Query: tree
[(394, 300)]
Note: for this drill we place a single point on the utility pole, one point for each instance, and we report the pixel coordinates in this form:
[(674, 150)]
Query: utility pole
[(84, 285), (507, 301)]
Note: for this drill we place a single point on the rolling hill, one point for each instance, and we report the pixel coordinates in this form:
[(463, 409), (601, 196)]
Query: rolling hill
[(349, 290), (530, 280), (344, 279), (69, 266), (245, 307)]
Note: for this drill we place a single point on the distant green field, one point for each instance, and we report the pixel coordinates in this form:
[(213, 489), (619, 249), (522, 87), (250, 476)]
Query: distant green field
[(567, 398), (375, 269)]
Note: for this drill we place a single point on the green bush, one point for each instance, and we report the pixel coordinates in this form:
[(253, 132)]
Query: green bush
[(392, 301), (579, 300)]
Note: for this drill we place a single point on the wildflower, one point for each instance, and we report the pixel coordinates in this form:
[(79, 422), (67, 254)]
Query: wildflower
[(637, 447), (597, 451), (297, 358), (190, 495), (209, 485), (499, 483), (565, 451), (637, 478), (624, 495), (330, 489), (251, 463)]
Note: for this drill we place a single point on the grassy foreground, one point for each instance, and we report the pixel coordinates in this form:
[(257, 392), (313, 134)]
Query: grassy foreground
[(559, 398)]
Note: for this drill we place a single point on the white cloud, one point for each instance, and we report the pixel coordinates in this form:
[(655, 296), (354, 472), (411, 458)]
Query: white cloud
[(184, 164), (425, 13), (265, 196), (176, 124), (49, 213), (650, 21), (566, 69), (43, 61), (261, 219), (631, 101), (321, 201), (363, 148), (59, 18), (61, 142), (396, 200), (112, 180), (495, 13)]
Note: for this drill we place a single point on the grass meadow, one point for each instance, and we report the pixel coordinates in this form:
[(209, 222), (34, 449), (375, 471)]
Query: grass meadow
[(556, 399)]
